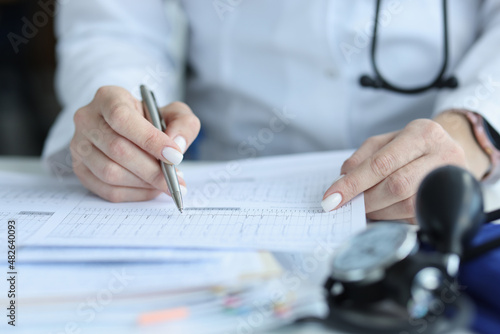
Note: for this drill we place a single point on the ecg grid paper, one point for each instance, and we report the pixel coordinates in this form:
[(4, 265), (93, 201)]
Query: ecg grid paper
[(34, 195), (38, 193), (27, 222), (277, 209), (34, 202), (231, 227), (280, 191)]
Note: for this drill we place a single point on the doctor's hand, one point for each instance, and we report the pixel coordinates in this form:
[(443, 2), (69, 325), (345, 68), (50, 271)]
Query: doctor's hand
[(390, 167), (115, 149)]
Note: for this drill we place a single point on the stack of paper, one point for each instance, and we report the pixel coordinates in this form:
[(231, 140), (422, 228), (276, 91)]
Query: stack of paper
[(185, 297), (85, 265)]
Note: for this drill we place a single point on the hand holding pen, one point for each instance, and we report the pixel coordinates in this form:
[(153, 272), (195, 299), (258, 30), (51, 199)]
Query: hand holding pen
[(115, 149)]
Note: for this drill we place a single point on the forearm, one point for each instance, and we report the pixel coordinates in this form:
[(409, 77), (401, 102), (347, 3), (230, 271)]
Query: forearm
[(459, 128)]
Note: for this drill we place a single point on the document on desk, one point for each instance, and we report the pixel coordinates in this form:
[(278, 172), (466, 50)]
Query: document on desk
[(266, 203), (33, 201)]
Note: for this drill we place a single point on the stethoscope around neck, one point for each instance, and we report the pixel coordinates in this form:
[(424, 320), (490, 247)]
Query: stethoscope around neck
[(379, 82)]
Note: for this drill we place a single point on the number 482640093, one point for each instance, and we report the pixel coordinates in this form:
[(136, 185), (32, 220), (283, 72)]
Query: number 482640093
[(11, 240)]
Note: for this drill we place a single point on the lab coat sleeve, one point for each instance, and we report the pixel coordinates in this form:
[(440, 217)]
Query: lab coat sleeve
[(110, 42), (478, 72)]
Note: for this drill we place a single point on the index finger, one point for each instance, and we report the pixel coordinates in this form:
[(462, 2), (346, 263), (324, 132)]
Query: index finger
[(131, 124), (369, 147), (403, 149), (182, 124)]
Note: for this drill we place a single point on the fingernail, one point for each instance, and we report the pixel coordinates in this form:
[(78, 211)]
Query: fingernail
[(180, 174), (331, 202), (184, 190), (172, 155), (181, 142)]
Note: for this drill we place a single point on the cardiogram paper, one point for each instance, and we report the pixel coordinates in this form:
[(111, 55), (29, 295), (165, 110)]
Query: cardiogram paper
[(267, 203)]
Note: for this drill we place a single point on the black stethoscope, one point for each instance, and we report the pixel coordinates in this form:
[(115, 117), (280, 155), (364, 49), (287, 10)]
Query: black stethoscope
[(380, 82)]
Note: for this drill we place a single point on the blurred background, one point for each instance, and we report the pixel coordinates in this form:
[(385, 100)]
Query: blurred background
[(28, 105)]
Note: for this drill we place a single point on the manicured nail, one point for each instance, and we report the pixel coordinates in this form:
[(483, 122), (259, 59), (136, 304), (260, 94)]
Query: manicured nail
[(180, 174), (184, 190), (172, 155), (181, 142), (331, 202)]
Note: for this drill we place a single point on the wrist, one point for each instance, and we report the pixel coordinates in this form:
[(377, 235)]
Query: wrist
[(460, 129)]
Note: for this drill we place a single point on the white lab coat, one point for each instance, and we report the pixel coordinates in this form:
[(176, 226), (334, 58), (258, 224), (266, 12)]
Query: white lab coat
[(274, 77)]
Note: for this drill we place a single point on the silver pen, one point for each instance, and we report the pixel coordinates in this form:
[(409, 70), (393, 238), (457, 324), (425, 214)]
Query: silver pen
[(154, 116)]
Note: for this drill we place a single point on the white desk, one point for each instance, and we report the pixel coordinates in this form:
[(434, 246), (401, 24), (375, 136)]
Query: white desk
[(32, 165)]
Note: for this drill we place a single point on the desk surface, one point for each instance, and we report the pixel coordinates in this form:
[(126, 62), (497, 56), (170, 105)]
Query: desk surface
[(32, 165)]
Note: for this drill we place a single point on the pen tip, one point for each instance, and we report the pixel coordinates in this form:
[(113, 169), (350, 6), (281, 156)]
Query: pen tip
[(177, 197)]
